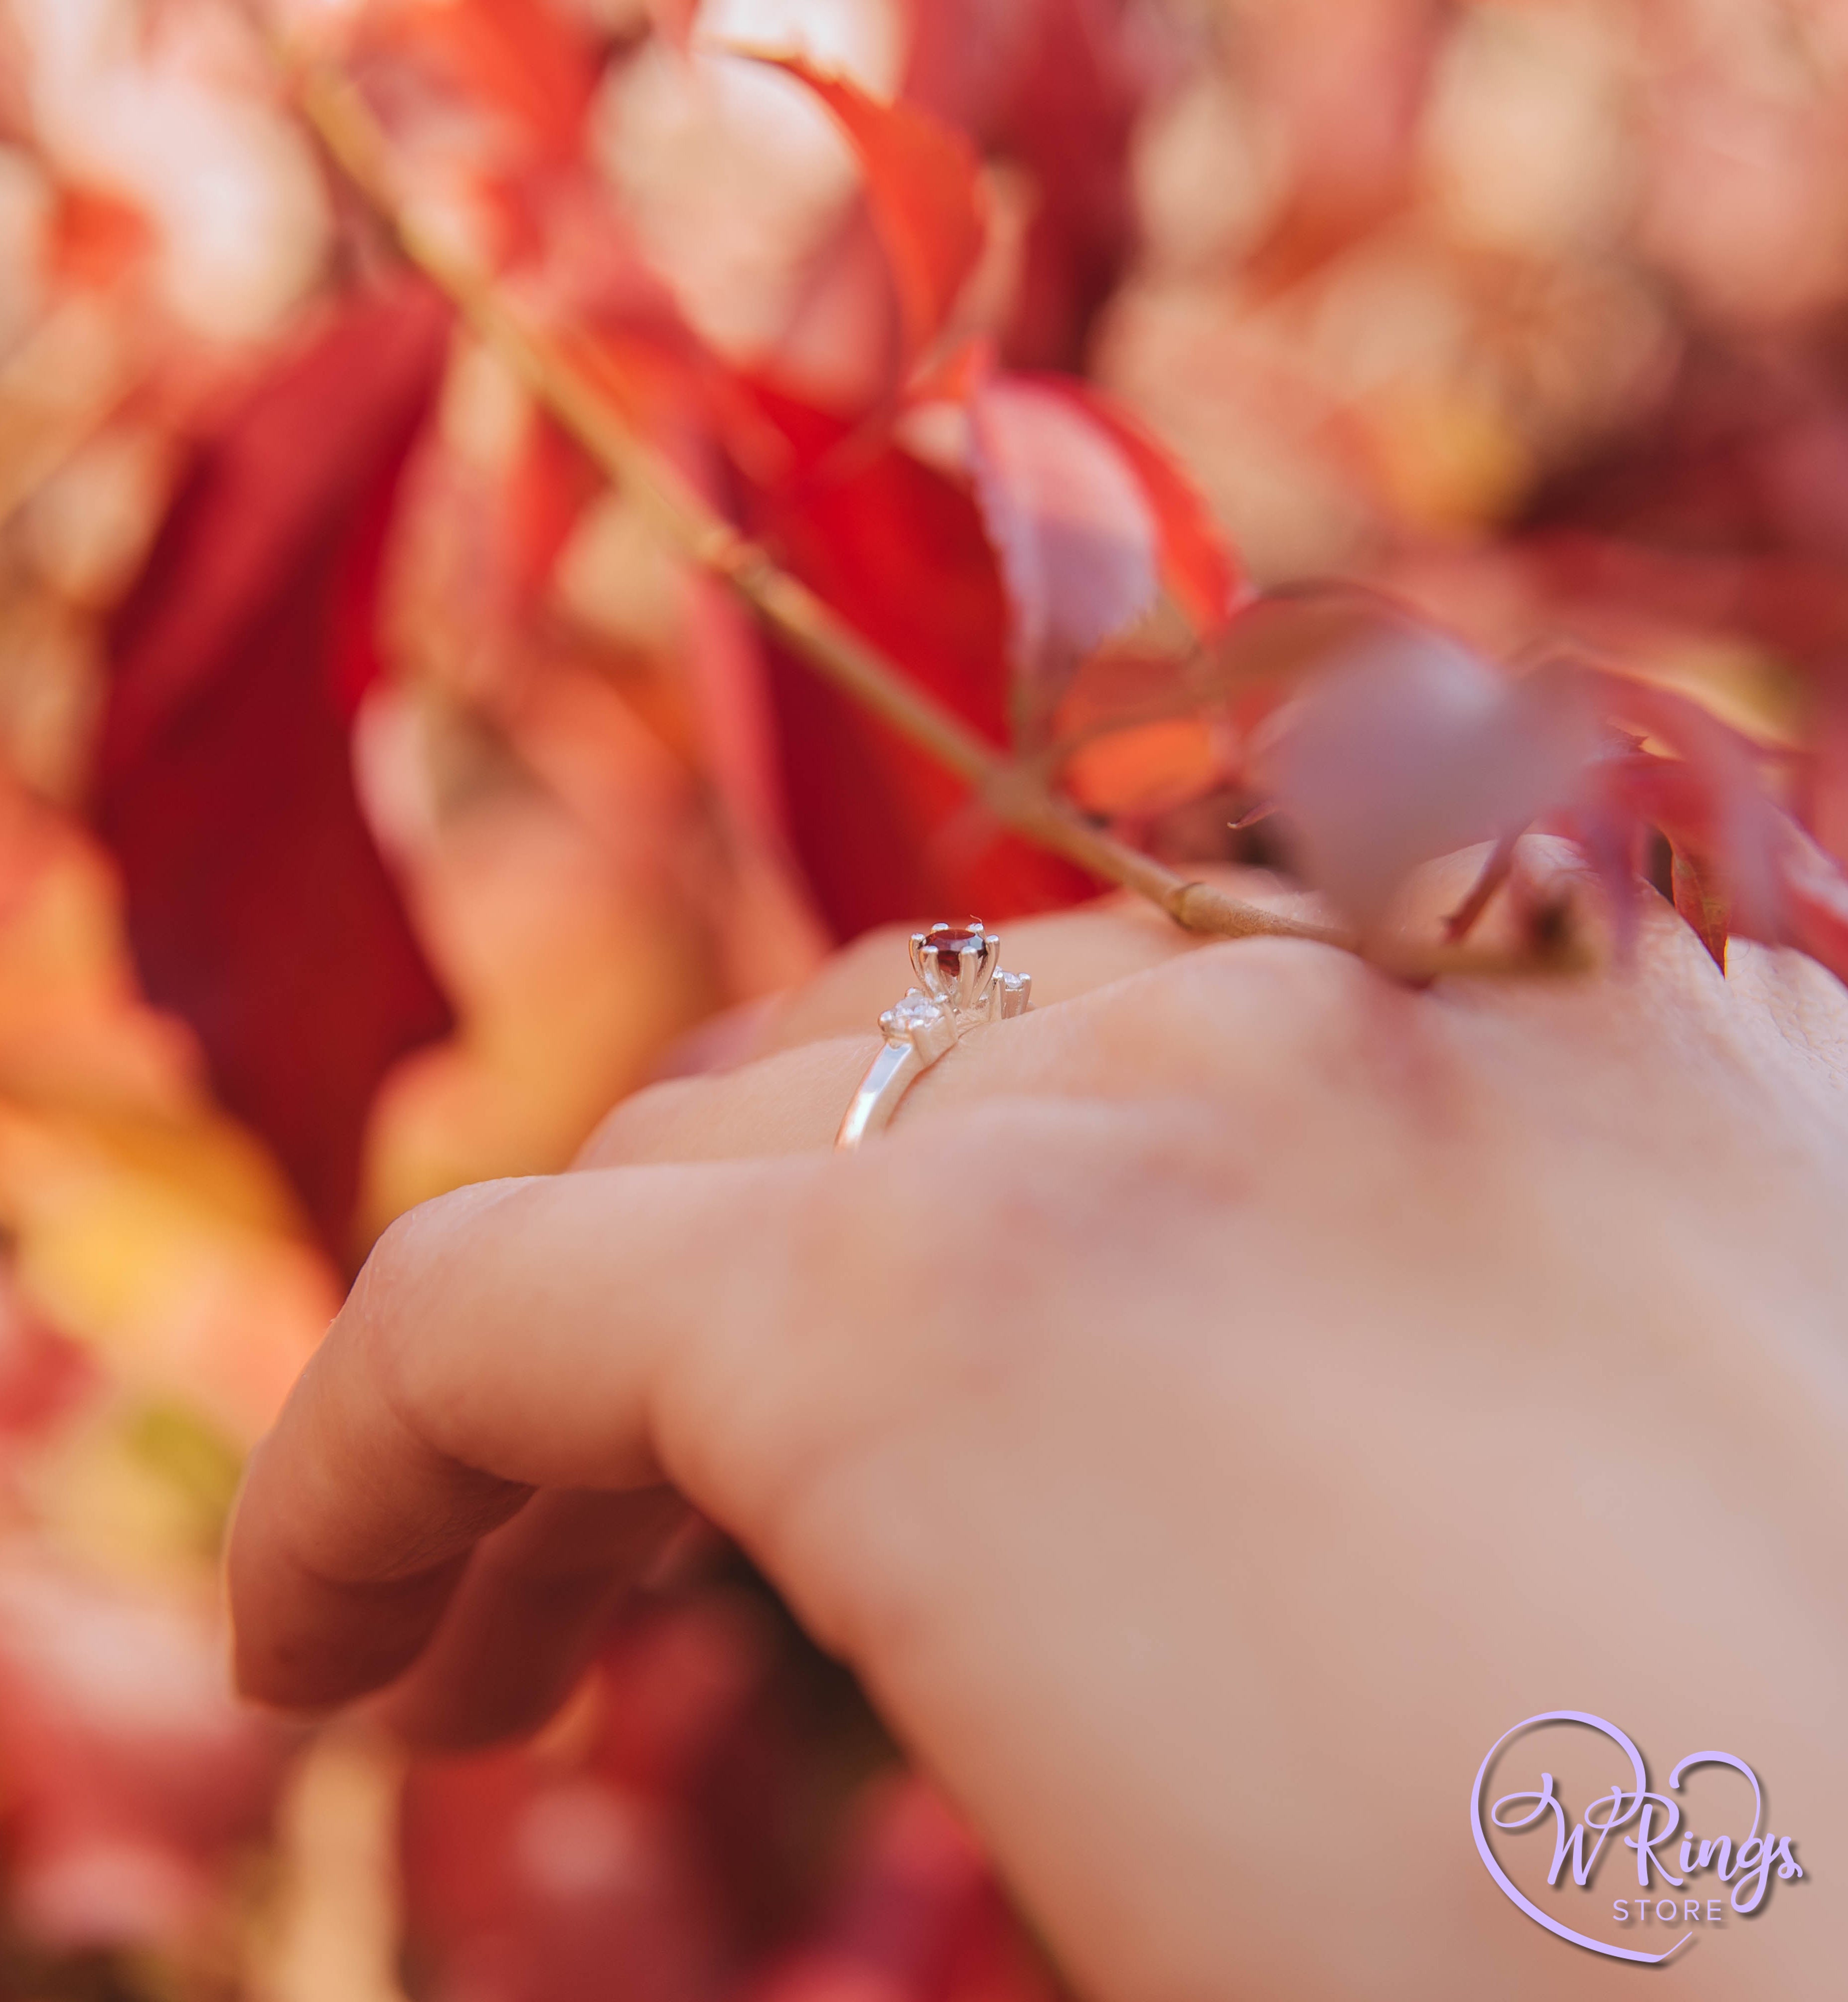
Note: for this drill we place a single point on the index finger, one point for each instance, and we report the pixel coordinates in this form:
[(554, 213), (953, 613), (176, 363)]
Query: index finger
[(508, 1338)]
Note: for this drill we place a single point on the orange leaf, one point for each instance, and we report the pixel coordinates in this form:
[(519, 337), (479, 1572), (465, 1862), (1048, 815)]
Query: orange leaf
[(96, 236), (924, 188), (1700, 899), (1147, 769)]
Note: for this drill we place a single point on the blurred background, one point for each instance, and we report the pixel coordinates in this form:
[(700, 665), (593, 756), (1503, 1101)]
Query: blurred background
[(380, 799)]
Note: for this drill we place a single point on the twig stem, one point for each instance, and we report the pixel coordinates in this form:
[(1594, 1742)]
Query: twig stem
[(1016, 794)]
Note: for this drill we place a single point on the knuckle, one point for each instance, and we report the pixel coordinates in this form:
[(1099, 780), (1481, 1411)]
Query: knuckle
[(1299, 987), (1288, 1046), (1297, 1013), (396, 1318)]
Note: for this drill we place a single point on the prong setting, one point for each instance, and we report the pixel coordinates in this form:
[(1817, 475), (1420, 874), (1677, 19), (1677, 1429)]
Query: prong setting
[(956, 963), (922, 1020)]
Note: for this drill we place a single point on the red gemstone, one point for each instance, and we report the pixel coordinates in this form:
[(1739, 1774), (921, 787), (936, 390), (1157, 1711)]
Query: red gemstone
[(950, 947)]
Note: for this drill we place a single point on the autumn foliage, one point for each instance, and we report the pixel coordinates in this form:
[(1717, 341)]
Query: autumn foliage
[(1319, 434)]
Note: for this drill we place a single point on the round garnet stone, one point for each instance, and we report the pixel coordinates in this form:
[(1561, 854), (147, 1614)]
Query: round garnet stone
[(950, 945)]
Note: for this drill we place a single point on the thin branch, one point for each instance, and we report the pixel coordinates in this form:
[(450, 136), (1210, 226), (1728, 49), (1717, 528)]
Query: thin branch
[(1017, 795), (786, 606)]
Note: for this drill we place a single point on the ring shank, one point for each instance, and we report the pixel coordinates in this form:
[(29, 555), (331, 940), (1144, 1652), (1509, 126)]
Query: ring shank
[(893, 1073)]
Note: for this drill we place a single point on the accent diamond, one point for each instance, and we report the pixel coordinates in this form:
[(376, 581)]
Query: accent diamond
[(915, 1011)]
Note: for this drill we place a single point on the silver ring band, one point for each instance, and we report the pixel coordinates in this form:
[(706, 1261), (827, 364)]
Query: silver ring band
[(962, 984)]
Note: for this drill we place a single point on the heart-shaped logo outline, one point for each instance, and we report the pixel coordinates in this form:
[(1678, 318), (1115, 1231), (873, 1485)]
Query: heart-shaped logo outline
[(1640, 1775)]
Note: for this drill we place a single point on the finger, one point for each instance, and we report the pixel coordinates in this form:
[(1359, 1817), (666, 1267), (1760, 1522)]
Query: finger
[(814, 1048), (788, 1072), (502, 1341), (1214, 1019), (1068, 953), (788, 1104), (791, 1100), (528, 1616), (1203, 1021)]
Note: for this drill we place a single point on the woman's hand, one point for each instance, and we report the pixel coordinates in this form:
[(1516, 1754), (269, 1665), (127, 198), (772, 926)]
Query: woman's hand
[(1228, 1398)]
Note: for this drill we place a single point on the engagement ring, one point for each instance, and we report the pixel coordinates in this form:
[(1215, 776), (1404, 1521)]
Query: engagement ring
[(961, 984)]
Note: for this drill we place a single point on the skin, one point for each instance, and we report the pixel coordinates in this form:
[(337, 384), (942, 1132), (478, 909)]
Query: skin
[(1227, 1400)]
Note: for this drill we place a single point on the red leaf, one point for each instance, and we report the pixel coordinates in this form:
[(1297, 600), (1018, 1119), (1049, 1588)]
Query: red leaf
[(924, 188), (530, 1882), (258, 907), (1054, 87), (1403, 746), (1407, 748), (1827, 805), (883, 832), (650, 1858), (1076, 533), (1815, 916), (534, 67), (1710, 800), (1798, 897), (1197, 563), (917, 1914)]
